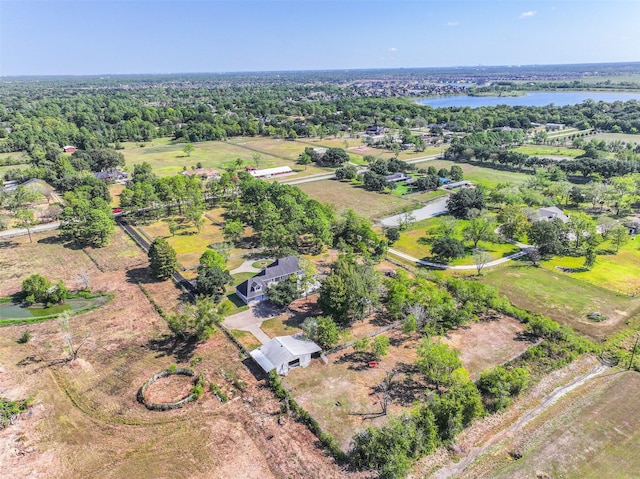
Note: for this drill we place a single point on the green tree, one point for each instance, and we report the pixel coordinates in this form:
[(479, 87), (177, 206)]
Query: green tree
[(437, 361), (211, 259), (462, 202), (197, 320), (480, 228), (37, 289), (514, 222), (87, 221), (212, 281), (187, 149), (322, 330), (194, 214), (499, 385), (447, 249), (456, 173), (619, 237), (26, 220), (233, 231), (380, 346), (350, 291), (392, 234), (284, 292), (162, 259)]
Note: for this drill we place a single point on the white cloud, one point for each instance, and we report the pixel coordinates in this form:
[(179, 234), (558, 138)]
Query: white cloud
[(528, 14), (392, 49), (453, 24)]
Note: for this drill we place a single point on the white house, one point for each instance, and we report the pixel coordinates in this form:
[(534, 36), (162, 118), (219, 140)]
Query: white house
[(255, 289), (283, 353)]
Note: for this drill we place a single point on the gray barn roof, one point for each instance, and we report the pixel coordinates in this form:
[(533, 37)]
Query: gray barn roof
[(282, 350)]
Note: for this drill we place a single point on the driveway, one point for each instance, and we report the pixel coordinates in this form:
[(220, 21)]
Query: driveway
[(435, 208), (251, 319)]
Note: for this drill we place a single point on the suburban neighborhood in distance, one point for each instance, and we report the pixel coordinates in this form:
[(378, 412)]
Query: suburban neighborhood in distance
[(302, 270)]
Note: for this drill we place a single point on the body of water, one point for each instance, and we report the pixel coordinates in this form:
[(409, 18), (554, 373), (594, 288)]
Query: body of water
[(16, 311), (530, 99)]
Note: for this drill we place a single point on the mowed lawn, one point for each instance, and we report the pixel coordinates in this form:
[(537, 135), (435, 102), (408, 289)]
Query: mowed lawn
[(479, 175), (188, 243), (627, 138), (592, 433), (415, 241), (345, 195), (540, 150), (618, 272), (564, 298)]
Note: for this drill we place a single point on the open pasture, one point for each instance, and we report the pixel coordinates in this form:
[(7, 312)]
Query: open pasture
[(542, 151), (589, 434), (564, 298), (627, 138), (415, 241), (365, 203), (479, 175), (487, 343)]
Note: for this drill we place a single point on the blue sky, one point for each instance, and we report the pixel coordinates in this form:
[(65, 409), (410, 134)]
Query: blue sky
[(167, 36)]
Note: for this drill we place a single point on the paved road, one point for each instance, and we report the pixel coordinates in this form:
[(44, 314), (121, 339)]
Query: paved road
[(36, 229), (456, 267), (435, 208)]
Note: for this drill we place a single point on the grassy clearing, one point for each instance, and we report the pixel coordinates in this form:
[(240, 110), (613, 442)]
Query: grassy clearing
[(412, 242), (590, 433), (617, 272), (627, 138), (188, 243), (564, 298), (485, 344), (365, 203), (538, 150), (280, 326), (338, 395), (245, 338), (489, 177)]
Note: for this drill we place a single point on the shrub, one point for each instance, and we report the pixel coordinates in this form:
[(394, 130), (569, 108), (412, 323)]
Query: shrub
[(26, 336)]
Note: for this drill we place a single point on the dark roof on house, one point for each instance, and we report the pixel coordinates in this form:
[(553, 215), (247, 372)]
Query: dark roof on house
[(257, 285), (396, 177)]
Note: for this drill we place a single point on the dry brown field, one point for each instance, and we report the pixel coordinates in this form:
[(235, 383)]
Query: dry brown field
[(86, 421)]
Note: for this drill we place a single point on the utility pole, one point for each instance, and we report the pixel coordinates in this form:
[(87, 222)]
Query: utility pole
[(633, 352)]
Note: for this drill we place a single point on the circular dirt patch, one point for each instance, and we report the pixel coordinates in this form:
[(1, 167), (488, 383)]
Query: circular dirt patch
[(169, 389), (173, 380)]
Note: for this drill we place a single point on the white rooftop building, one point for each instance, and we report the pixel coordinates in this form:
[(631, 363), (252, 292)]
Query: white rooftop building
[(285, 352)]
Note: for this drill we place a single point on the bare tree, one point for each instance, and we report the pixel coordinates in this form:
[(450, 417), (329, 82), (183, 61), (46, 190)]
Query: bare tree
[(384, 394), (481, 257), (72, 342), (83, 279)]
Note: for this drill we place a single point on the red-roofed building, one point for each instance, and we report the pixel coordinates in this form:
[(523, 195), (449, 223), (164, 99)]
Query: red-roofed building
[(69, 149)]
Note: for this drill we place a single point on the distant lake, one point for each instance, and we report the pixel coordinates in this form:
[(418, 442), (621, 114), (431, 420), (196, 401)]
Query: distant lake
[(530, 99)]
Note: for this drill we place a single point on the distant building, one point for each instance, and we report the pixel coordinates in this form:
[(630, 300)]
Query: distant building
[(69, 149), (374, 130), (204, 173), (283, 353), (270, 172), (458, 184), (320, 151), (114, 175), (397, 177), (554, 126), (548, 214), (255, 289)]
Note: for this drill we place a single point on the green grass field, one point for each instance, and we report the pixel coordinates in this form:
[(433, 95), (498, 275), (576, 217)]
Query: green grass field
[(169, 159), (489, 177), (412, 242), (365, 203), (617, 137), (539, 150), (563, 297), (617, 272)]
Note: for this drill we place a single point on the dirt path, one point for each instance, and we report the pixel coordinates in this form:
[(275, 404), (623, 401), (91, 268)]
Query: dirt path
[(456, 469)]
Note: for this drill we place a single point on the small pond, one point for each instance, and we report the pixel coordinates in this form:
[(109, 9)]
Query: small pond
[(15, 311)]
